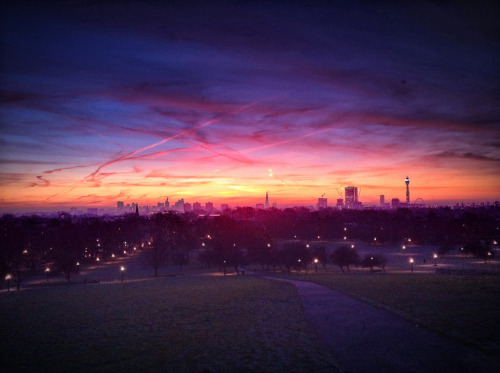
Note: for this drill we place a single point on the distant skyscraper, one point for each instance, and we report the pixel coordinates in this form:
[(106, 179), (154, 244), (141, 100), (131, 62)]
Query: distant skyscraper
[(382, 200), (187, 206), (259, 206), (351, 196), (322, 203), (407, 181), (167, 204), (209, 206), (197, 206), (267, 200), (224, 206), (120, 205), (179, 205), (340, 202)]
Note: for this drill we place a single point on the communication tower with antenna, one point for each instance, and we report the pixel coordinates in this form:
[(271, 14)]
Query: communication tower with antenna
[(407, 181)]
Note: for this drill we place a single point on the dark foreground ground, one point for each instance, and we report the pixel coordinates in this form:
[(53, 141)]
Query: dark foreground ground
[(194, 321), (365, 339)]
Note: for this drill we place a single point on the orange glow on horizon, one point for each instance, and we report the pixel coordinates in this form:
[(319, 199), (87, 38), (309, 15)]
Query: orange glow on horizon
[(123, 108)]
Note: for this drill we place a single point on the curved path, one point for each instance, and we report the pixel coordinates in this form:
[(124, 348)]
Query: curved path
[(366, 339)]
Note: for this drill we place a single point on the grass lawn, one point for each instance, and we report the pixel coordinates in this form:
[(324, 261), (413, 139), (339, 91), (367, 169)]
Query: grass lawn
[(465, 307), (176, 324)]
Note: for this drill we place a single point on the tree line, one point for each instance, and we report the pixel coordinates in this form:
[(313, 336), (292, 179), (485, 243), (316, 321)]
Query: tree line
[(290, 239)]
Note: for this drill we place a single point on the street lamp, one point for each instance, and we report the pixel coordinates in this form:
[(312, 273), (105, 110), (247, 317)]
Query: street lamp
[(47, 271), (122, 269), (8, 277), (316, 264), (435, 256), (411, 263)]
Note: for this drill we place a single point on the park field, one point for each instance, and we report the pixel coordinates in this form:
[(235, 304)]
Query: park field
[(169, 324), (463, 307)]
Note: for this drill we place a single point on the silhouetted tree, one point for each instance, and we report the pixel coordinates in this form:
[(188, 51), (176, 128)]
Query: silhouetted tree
[(295, 254), (163, 240), (374, 260), (479, 249), (445, 248), (345, 256), (65, 245)]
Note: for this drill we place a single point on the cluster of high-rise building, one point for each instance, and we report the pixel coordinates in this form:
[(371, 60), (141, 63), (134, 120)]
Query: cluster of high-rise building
[(179, 206), (182, 206), (350, 200)]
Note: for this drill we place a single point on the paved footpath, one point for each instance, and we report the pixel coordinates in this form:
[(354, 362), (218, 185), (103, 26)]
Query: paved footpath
[(366, 339)]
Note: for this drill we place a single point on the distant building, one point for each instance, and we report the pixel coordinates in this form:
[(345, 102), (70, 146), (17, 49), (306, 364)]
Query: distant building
[(340, 202), (382, 200), (160, 206), (260, 206), (209, 206), (395, 203), (322, 203), (224, 206), (179, 205), (351, 197), (120, 205), (267, 200), (167, 205), (197, 206), (187, 206)]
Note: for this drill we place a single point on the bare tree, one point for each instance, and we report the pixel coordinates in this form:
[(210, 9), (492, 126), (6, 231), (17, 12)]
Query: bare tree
[(345, 256)]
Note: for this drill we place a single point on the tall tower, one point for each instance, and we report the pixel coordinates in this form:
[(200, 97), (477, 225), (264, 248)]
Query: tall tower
[(407, 181), (267, 200)]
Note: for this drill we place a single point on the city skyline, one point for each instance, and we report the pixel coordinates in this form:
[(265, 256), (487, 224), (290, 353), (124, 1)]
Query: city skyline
[(224, 102)]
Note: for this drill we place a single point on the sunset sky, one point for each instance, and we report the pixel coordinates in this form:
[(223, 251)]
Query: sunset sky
[(213, 101)]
